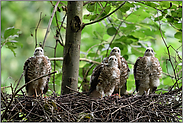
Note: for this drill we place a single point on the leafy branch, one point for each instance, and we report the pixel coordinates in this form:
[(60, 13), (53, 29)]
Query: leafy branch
[(49, 24), (85, 24), (169, 57)]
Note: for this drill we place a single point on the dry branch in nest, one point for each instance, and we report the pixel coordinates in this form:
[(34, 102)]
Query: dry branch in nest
[(77, 107)]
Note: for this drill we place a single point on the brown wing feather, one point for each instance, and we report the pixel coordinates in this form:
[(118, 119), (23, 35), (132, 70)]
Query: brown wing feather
[(124, 73), (29, 66), (94, 78), (137, 82), (48, 66)]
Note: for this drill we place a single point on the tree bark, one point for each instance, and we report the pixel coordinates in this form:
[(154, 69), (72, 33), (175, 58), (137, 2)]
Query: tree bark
[(72, 47)]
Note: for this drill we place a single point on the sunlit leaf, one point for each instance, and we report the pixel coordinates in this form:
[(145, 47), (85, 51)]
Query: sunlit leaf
[(13, 41), (10, 32), (138, 16), (178, 35)]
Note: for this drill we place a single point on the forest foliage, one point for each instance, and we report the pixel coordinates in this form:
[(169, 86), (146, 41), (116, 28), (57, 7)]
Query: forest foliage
[(131, 27)]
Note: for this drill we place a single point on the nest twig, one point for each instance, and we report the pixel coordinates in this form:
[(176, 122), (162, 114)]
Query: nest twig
[(76, 107)]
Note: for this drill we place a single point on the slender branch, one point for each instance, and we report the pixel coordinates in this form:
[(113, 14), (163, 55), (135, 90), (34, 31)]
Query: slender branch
[(123, 107), (37, 29), (4, 42), (5, 87), (49, 24), (75, 91), (81, 59), (60, 29), (55, 49), (103, 17), (19, 81), (139, 118), (169, 57), (61, 43), (167, 74)]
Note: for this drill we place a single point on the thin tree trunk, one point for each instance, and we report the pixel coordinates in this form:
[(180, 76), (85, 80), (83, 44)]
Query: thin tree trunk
[(72, 46)]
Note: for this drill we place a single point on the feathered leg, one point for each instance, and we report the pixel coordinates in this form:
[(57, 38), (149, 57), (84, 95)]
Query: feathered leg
[(119, 92), (35, 92)]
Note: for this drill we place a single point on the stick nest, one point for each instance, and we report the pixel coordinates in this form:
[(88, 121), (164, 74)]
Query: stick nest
[(77, 107)]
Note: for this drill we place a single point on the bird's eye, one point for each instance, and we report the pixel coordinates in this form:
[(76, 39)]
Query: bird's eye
[(147, 50)]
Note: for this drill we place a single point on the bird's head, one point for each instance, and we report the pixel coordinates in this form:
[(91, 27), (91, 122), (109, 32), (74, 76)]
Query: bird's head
[(149, 52), (112, 61), (38, 51), (115, 51)]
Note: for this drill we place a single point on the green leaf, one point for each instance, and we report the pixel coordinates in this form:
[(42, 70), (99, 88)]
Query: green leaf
[(10, 31), (129, 39), (119, 14), (126, 57), (149, 3), (93, 17), (178, 35), (11, 47), (100, 47), (19, 44), (132, 38), (13, 41), (164, 4), (88, 16), (126, 7), (111, 31), (138, 16), (169, 18), (178, 25), (91, 7), (107, 9), (158, 18), (92, 55), (174, 13)]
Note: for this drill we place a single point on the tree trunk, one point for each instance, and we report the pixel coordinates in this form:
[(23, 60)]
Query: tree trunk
[(72, 47)]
